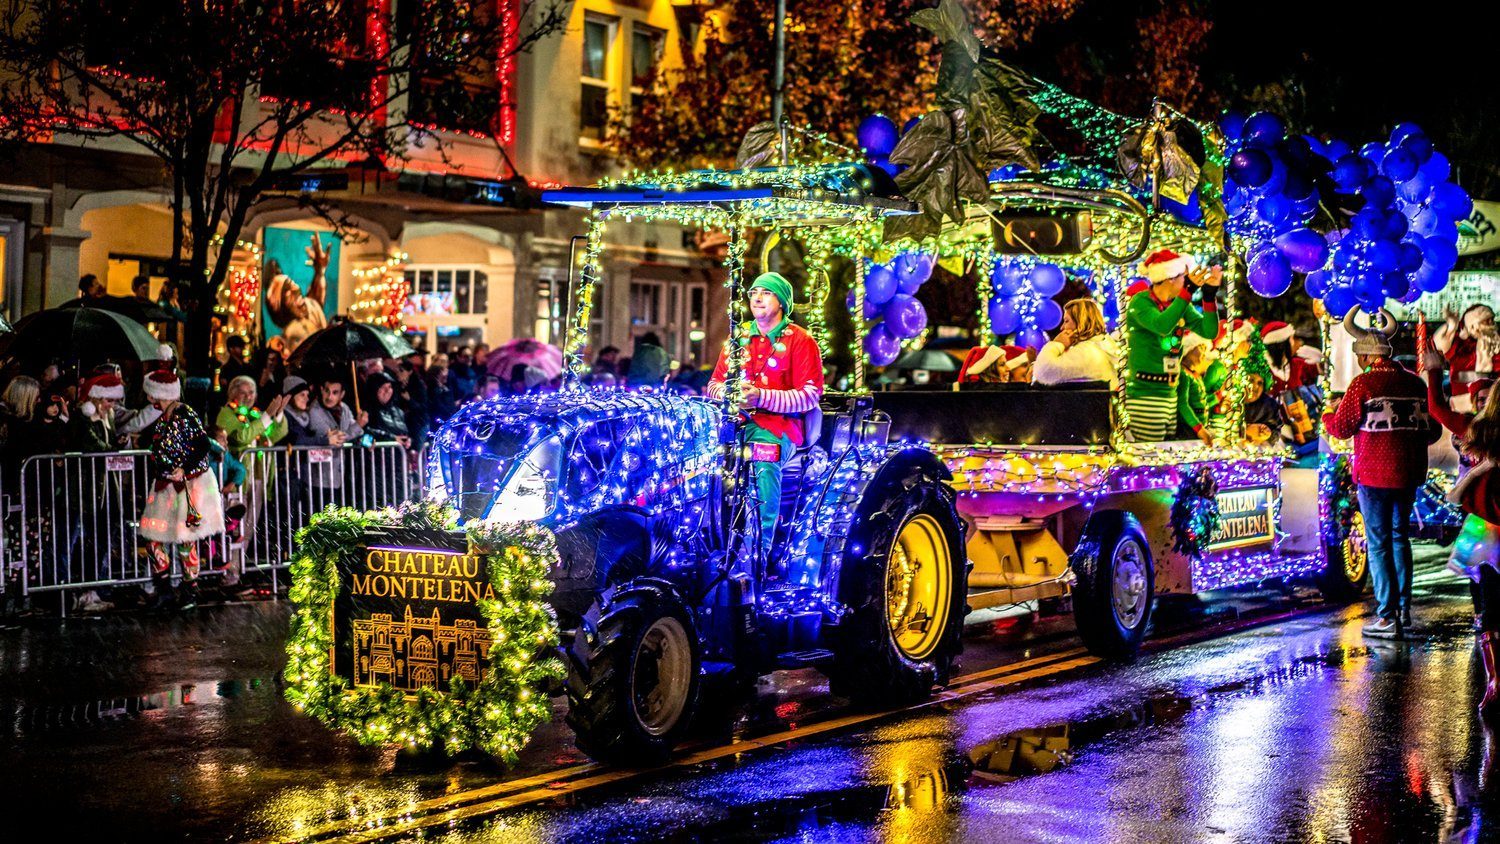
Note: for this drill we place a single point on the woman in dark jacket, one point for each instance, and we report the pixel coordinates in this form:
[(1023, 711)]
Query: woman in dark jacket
[(387, 417)]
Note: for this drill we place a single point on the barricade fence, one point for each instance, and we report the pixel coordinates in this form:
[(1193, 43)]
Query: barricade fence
[(77, 516)]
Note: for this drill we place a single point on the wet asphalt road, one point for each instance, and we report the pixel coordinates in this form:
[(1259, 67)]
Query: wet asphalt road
[(146, 728)]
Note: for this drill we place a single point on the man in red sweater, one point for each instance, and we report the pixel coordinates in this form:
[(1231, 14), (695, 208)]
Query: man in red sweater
[(1385, 411), (783, 381)]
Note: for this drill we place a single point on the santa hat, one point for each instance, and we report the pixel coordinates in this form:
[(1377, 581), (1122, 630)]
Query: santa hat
[(105, 386), (1164, 264), (1234, 331), (1140, 285), (978, 360), (163, 386), (165, 353), (1191, 341), (1015, 356), (1276, 332)]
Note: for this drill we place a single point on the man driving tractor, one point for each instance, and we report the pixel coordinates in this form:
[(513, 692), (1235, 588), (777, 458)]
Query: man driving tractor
[(783, 373)]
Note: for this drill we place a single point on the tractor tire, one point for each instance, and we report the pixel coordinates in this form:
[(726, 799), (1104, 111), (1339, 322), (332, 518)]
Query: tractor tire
[(1112, 600), (633, 684), (913, 568), (1344, 579)]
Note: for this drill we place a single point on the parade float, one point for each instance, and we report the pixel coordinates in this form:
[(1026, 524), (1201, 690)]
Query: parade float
[(905, 509)]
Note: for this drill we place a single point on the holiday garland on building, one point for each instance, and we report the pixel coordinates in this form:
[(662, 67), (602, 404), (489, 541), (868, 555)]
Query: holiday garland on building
[(499, 714)]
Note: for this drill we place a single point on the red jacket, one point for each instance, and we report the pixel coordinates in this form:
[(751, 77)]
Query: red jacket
[(1385, 411), (787, 368)]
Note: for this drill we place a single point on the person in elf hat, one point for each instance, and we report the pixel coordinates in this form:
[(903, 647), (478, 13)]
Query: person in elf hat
[(783, 373), (183, 505), (1192, 398), (1154, 322), (1385, 412)]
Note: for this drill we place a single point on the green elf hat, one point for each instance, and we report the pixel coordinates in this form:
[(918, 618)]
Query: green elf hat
[(777, 285)]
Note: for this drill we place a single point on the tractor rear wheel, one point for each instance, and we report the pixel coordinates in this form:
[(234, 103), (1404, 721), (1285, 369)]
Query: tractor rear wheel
[(1116, 583), (633, 681)]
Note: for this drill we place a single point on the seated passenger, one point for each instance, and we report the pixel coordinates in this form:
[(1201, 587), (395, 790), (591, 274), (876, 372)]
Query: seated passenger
[(979, 366), (1081, 351), (1018, 364), (1262, 412)]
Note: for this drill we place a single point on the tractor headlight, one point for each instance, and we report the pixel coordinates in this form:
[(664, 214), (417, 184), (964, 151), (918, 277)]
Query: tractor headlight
[(530, 491)]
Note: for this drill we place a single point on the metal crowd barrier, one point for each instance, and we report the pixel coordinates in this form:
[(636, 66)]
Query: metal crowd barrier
[(78, 514)]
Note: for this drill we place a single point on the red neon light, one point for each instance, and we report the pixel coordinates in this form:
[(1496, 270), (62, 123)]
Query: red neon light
[(505, 67)]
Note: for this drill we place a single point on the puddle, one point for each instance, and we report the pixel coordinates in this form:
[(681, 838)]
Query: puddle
[(49, 717)]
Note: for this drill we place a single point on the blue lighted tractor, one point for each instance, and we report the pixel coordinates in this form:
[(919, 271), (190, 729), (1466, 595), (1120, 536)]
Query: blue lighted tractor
[(670, 605)]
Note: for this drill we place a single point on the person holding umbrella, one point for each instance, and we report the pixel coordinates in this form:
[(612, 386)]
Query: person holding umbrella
[(183, 505)]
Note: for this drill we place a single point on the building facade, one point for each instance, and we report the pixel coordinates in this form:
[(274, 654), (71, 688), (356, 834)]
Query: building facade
[(459, 226)]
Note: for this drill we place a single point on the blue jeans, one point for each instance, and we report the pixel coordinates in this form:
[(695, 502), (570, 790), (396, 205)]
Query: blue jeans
[(1387, 515)]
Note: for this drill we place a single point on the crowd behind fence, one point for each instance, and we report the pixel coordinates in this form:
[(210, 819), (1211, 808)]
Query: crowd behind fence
[(74, 521)]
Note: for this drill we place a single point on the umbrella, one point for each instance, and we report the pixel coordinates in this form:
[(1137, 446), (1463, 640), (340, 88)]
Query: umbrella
[(344, 344), (85, 335), (527, 352), (932, 360), (126, 306), (5, 326)]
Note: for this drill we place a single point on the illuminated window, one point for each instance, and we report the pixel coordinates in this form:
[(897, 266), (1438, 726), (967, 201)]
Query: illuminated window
[(598, 42), (645, 53)]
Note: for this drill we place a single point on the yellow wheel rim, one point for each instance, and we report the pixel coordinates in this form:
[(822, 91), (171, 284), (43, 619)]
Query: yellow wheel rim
[(919, 587), (1356, 552)]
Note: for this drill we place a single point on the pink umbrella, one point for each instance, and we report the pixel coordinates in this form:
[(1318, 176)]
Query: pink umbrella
[(527, 352)]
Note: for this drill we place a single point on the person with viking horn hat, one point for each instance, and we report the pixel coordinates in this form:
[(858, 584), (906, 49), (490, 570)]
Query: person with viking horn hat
[(1155, 321), (1385, 412), (183, 505)]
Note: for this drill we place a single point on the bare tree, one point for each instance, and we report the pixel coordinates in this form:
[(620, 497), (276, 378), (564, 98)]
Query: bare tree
[(239, 98)]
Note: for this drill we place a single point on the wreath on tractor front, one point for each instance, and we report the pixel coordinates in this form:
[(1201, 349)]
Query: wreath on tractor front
[(499, 713), (1195, 513)]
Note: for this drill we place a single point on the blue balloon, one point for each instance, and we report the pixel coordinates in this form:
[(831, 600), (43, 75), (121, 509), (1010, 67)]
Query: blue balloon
[(1250, 167), (1437, 169), (1304, 249), (913, 268), (905, 316), (1277, 180), (1349, 172), (1373, 302), (1010, 279), (1236, 200), (1048, 315), (1384, 256), (1274, 209), (1345, 255), (1318, 283), (1420, 147), (886, 165), (1451, 202), (1298, 186), (1379, 191), (880, 284), (1430, 279), (1047, 280), (1005, 318), (1393, 225), (1373, 152), (1270, 275), (1403, 130), (1233, 124), (1441, 253), (1412, 295), (1264, 128), (1190, 212), (877, 136), (1414, 189), (1395, 284), (882, 346), (1339, 301), (1367, 224), (1336, 149), (1411, 257), (1426, 223), (906, 127), (1368, 286), (1032, 338), (872, 310), (1399, 165)]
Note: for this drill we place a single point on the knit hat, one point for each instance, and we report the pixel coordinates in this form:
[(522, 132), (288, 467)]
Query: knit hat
[(163, 385), (978, 360), (1373, 340), (1276, 332), (292, 385), (1164, 264), (105, 386), (777, 285)]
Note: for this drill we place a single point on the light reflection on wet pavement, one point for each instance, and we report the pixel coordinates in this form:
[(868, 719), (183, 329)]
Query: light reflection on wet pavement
[(1299, 730)]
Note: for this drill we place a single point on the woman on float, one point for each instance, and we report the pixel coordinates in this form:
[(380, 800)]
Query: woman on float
[(1081, 351)]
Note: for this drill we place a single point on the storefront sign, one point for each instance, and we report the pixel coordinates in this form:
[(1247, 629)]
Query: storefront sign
[(1244, 518), (410, 617), (1481, 232), (1464, 289)]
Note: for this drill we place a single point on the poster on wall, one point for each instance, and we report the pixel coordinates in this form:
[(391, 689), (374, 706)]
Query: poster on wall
[(301, 282)]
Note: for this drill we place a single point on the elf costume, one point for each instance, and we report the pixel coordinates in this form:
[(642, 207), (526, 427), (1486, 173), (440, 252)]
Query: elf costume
[(1154, 347), (785, 365)]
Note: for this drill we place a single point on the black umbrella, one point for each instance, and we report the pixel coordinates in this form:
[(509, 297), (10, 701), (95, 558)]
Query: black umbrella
[(932, 360), (86, 335), (344, 344), (126, 306)]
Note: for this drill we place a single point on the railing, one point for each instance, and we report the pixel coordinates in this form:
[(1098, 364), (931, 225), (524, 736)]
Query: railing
[(78, 515)]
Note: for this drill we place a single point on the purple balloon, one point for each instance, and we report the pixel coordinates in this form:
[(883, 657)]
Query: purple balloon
[(1399, 165), (1010, 279), (1318, 283), (1274, 209), (913, 268), (1339, 300), (1005, 316), (1270, 275), (882, 346), (1032, 338), (1304, 249), (1412, 295), (872, 310), (880, 284), (1264, 127), (1250, 167), (905, 316), (1451, 202), (1047, 279), (877, 135), (1048, 315)]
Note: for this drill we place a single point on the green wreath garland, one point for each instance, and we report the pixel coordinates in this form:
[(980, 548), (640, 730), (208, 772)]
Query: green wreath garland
[(1195, 513), (499, 714)]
